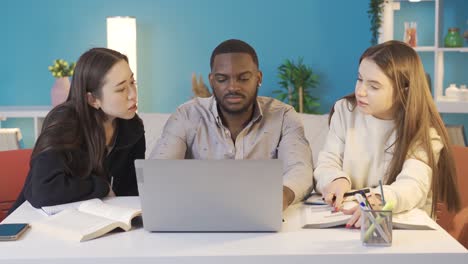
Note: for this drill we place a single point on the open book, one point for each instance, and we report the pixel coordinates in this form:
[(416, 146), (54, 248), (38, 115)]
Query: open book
[(316, 199), (89, 220), (415, 219)]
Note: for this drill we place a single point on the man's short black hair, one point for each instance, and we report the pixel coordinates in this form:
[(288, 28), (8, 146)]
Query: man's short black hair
[(234, 46)]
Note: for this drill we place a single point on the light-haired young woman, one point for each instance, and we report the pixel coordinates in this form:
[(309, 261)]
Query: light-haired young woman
[(88, 144), (389, 129)]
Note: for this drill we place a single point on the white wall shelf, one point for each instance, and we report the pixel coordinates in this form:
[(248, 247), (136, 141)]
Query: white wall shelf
[(425, 48), (37, 113), (450, 106), (463, 49), (443, 105)]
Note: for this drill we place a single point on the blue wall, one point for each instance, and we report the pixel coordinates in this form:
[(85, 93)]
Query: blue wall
[(175, 39)]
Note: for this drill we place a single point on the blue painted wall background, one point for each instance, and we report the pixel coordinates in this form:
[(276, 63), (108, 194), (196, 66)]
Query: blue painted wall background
[(175, 39)]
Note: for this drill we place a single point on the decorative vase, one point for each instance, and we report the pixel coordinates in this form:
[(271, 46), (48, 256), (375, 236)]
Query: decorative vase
[(453, 38), (452, 92), (410, 36), (59, 91), (463, 93)]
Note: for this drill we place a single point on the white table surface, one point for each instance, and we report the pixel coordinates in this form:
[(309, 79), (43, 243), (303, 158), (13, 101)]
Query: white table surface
[(291, 245)]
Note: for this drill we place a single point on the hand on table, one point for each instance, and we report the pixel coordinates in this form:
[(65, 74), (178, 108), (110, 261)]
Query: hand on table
[(334, 192)]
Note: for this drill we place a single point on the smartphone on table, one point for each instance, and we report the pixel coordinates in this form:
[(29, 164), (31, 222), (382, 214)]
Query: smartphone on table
[(10, 232)]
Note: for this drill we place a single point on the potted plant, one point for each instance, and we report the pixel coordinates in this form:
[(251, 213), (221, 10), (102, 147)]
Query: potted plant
[(375, 14), (297, 81), (61, 70)]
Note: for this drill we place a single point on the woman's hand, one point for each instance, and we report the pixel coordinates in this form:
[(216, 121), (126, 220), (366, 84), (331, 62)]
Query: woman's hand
[(334, 192), (111, 192), (355, 221)]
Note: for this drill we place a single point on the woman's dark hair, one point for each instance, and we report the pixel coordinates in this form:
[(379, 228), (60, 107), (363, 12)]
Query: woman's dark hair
[(74, 128)]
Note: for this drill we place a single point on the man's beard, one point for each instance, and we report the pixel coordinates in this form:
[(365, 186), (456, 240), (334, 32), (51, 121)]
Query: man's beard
[(225, 108)]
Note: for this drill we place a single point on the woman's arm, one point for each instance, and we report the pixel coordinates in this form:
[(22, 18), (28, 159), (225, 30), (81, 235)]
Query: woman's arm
[(413, 184), (51, 185), (330, 161)]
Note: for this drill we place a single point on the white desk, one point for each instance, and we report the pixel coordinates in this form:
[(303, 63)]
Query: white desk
[(291, 245), (37, 113)]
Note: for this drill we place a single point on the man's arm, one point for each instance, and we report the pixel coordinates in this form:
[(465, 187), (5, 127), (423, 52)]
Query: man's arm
[(173, 141), (288, 197), (295, 152)]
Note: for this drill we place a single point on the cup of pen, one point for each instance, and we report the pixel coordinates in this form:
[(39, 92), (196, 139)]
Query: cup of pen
[(376, 227)]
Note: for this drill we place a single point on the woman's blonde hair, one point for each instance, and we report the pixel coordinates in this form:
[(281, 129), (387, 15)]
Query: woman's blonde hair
[(415, 114)]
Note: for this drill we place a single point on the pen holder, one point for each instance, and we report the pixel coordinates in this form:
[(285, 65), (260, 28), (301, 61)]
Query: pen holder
[(376, 227)]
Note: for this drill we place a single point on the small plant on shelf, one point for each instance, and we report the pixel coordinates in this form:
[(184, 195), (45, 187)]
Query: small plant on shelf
[(61, 68)]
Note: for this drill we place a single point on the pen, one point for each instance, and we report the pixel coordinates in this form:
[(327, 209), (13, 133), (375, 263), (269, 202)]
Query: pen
[(374, 223), (352, 193), (387, 207), (381, 190), (366, 201)]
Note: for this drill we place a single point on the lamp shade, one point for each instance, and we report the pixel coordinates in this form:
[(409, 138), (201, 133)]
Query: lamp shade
[(121, 36)]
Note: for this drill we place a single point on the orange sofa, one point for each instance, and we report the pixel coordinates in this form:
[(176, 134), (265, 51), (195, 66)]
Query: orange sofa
[(13, 171), (457, 224)]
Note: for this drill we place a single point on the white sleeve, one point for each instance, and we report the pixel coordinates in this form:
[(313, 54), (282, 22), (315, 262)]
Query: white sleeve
[(413, 184), (330, 160)]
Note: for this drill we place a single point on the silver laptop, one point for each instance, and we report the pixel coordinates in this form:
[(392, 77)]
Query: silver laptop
[(210, 195)]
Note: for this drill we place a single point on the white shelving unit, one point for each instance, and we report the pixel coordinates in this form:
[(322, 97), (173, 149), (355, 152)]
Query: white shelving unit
[(37, 113), (443, 104)]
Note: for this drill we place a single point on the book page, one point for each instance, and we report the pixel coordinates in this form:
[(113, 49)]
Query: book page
[(51, 210), (114, 212), (124, 201), (71, 224), (415, 219), (323, 217), (316, 199)]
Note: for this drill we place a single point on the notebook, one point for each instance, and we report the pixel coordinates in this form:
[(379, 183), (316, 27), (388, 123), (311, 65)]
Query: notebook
[(315, 217), (210, 195)]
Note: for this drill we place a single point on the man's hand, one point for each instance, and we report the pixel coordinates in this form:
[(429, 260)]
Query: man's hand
[(288, 197), (334, 192)]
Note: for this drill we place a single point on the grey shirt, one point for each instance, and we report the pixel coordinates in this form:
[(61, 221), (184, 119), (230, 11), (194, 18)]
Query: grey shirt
[(195, 131)]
